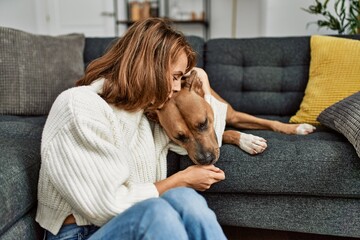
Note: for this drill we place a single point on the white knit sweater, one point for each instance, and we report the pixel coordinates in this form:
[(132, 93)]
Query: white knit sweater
[(98, 160)]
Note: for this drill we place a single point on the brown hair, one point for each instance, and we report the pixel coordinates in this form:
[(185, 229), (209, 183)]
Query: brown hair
[(136, 67)]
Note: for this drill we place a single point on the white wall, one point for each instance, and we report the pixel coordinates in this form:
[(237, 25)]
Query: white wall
[(286, 18), (254, 18), (20, 14)]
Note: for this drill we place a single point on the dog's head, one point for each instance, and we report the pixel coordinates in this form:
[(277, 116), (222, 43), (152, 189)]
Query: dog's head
[(189, 121)]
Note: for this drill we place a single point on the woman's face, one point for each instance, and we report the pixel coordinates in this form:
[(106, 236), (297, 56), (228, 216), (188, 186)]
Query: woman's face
[(177, 70)]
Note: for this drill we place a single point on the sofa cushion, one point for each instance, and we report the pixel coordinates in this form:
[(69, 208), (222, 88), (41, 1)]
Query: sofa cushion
[(95, 47), (37, 120), (197, 43), (20, 139), (262, 76), (308, 214), (22, 130), (26, 227), (344, 117), (334, 75), (34, 69), (323, 163), (20, 164)]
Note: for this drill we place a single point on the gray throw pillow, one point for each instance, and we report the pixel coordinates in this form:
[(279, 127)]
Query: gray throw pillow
[(34, 69), (344, 117)]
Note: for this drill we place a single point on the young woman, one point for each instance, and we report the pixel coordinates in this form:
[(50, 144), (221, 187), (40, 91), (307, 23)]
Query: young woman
[(103, 171)]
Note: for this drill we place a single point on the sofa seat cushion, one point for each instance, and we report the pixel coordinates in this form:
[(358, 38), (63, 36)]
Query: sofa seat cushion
[(37, 120), (320, 164), (20, 164), (26, 227), (20, 130), (308, 214)]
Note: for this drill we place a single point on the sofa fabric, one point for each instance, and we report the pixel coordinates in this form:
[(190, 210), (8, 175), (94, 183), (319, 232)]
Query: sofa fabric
[(20, 164), (34, 69), (95, 47), (299, 168), (267, 81), (344, 117), (334, 74), (295, 213), (307, 184)]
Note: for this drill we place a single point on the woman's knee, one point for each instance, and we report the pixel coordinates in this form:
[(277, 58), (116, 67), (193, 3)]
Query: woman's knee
[(181, 194), (163, 220), (144, 220), (161, 212), (147, 212), (186, 199)]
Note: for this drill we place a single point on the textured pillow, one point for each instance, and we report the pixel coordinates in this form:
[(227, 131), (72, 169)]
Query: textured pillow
[(334, 75), (34, 69), (344, 117)]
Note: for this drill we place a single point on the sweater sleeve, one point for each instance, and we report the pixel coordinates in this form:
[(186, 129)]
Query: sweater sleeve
[(220, 110), (86, 163)]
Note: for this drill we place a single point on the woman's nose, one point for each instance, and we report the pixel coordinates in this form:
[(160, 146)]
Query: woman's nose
[(176, 85)]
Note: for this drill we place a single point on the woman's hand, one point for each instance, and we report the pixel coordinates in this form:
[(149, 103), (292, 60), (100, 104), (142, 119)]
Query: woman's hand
[(204, 79), (202, 177), (197, 177)]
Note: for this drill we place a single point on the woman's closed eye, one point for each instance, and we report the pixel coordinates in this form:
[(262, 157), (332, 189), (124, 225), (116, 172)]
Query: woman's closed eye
[(177, 77), (176, 82)]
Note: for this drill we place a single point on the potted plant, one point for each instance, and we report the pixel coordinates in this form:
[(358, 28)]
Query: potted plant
[(345, 18)]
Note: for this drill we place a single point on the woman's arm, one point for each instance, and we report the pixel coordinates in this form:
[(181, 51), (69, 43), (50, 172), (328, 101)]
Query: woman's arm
[(84, 161)]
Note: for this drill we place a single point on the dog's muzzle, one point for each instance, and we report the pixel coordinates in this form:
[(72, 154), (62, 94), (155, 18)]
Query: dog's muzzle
[(206, 158)]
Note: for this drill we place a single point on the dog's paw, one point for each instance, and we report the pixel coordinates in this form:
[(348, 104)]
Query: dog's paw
[(304, 129), (252, 144)]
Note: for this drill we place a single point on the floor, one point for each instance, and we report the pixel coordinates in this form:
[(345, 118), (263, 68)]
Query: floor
[(237, 233)]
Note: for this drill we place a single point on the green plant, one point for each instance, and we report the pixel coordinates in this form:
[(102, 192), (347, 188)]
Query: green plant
[(345, 19)]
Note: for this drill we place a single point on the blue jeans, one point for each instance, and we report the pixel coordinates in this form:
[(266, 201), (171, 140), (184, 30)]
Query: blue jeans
[(180, 213)]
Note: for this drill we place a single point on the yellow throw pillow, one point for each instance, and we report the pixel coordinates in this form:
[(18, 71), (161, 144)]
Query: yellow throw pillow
[(334, 75)]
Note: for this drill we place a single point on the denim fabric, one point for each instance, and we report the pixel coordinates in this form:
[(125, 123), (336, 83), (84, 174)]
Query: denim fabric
[(180, 213), (72, 232)]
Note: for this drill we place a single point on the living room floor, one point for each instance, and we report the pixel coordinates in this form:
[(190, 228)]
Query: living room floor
[(237, 233)]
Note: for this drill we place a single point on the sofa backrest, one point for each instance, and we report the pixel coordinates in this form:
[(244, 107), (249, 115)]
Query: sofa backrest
[(260, 76), (97, 46)]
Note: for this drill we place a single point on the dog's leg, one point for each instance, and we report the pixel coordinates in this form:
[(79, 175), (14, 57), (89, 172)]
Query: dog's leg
[(247, 142), (242, 120)]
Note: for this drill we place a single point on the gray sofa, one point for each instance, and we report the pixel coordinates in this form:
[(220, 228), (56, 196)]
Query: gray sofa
[(307, 184)]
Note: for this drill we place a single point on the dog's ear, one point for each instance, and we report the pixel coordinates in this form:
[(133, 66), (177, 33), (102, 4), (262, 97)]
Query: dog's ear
[(193, 83)]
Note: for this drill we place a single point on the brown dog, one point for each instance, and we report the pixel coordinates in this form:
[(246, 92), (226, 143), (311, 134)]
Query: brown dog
[(188, 120)]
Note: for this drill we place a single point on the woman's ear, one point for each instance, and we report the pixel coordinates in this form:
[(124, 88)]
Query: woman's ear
[(193, 83)]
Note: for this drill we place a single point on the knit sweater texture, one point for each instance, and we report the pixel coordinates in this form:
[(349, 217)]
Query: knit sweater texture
[(98, 160)]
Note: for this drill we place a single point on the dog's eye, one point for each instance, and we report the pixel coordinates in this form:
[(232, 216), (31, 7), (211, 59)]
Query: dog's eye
[(181, 137), (203, 126)]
